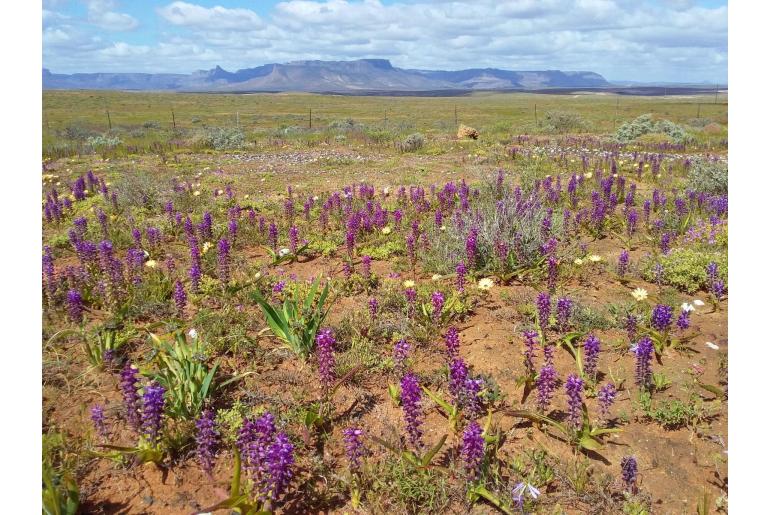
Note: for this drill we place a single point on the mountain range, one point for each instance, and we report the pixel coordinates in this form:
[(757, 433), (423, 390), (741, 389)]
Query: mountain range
[(363, 75)]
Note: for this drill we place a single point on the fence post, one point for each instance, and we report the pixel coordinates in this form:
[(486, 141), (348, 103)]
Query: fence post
[(310, 119), (173, 119), (109, 122)]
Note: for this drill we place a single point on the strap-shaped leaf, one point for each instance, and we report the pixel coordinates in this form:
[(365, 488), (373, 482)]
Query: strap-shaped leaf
[(426, 459)]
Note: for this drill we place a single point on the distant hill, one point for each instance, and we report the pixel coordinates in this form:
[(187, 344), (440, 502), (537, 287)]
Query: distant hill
[(362, 75)]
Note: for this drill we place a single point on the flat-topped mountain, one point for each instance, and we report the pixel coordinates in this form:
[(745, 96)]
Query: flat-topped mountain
[(327, 76)]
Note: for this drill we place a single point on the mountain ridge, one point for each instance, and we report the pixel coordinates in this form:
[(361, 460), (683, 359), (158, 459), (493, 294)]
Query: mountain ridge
[(326, 76)]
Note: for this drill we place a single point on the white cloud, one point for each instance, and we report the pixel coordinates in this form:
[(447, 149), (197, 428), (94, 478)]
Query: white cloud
[(214, 18), (639, 40), (102, 14)]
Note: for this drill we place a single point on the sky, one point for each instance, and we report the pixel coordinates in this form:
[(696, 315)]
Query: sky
[(637, 40)]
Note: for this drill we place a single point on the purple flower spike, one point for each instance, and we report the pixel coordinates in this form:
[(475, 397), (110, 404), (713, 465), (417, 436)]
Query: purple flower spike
[(606, 397), (472, 451), (623, 263), (563, 313), (543, 310), (437, 299), (400, 354), (546, 385), (97, 417), (661, 317), (644, 351), (628, 471), (410, 402), (366, 266), (574, 388), (411, 297), (223, 261), (592, 347), (279, 461), (128, 385), (460, 281), (373, 307), (293, 239), (325, 348), (683, 322), (354, 447), (180, 298), (206, 438), (75, 306), (152, 411), (452, 341)]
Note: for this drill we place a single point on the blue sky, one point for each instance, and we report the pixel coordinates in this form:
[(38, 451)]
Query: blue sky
[(656, 40)]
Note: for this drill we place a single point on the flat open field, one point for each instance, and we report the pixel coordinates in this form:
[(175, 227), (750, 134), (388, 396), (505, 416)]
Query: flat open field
[(549, 300)]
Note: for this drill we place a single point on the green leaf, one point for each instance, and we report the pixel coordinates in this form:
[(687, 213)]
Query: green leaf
[(431, 453), (587, 442)]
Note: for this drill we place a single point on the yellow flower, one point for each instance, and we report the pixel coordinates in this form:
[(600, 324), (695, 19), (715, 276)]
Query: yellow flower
[(408, 283), (588, 175), (151, 263), (593, 258), (196, 193), (639, 294), (578, 261), (436, 277), (486, 283), (386, 230), (246, 196), (206, 246), (442, 228)]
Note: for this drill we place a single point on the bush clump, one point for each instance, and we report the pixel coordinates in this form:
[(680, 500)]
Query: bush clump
[(685, 268), (564, 121), (103, 141), (467, 132), (412, 143), (644, 124), (708, 176), (223, 138)]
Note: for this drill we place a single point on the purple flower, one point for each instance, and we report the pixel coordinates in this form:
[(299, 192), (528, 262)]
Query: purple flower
[(180, 298), (718, 289), (293, 239), (592, 346), (458, 375), (623, 263), (97, 417), (128, 386), (472, 450), (644, 350), (411, 297), (366, 266), (325, 349), (471, 243), (460, 281), (206, 438), (223, 260), (437, 299), (452, 341), (606, 397), (665, 242), (543, 310), (373, 307), (631, 322), (272, 236), (354, 448), (410, 402), (563, 312), (546, 385), (661, 317), (232, 228), (712, 270), (400, 353), (628, 471), (75, 306), (683, 322), (574, 389), (530, 345), (278, 464), (152, 411)]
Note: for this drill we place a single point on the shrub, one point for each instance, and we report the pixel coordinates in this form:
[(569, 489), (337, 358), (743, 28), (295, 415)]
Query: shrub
[(411, 143), (152, 124), (103, 141), (685, 268), (563, 121), (708, 176), (223, 138), (644, 124), (467, 132)]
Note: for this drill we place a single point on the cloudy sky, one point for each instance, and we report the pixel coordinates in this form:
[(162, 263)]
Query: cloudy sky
[(656, 40)]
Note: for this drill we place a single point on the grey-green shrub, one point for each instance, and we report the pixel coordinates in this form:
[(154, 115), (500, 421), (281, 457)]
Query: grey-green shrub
[(644, 124), (708, 176), (102, 141), (564, 121), (411, 143), (224, 138)]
